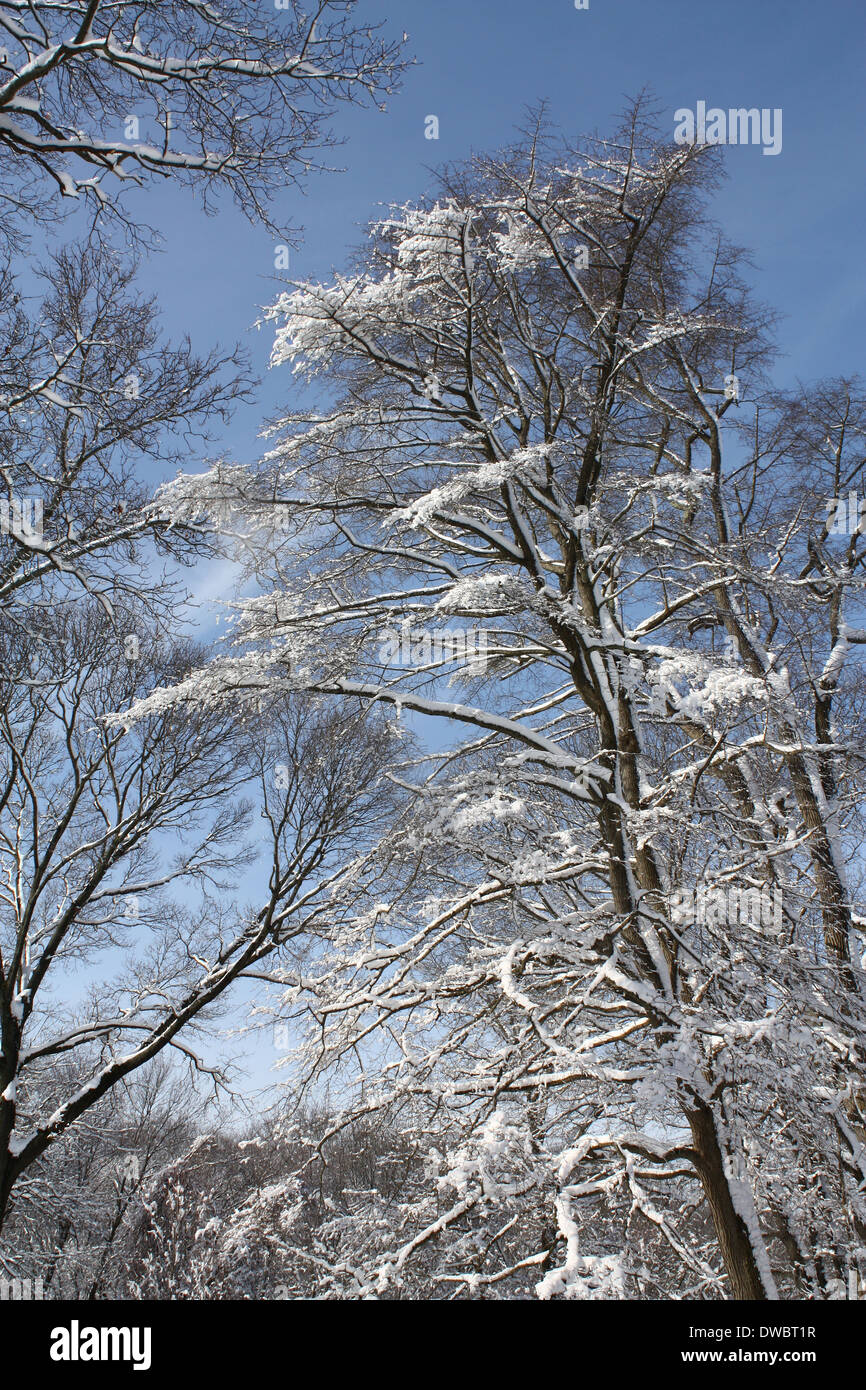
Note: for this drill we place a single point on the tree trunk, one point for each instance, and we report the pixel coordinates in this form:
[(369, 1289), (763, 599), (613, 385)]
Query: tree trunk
[(735, 1243), (6, 1181)]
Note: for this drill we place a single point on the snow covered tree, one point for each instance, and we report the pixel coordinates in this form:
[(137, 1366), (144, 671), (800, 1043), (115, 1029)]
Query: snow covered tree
[(624, 919), (266, 1216), (75, 1210)]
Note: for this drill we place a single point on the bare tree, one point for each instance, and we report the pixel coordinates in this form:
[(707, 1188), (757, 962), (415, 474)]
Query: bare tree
[(90, 396), (99, 823), (94, 95)]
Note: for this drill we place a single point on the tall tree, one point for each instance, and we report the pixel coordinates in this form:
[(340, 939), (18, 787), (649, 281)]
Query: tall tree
[(643, 897), (95, 97)]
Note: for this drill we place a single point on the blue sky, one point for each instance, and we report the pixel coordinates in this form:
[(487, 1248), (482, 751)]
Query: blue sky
[(481, 63)]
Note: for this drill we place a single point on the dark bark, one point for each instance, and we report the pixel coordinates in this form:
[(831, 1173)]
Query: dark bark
[(733, 1237)]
